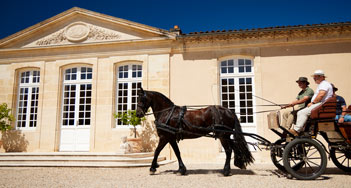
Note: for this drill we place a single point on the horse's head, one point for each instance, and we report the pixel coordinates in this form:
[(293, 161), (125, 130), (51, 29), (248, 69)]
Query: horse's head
[(144, 103)]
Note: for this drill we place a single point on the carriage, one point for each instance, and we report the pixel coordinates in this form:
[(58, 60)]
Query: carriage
[(303, 157)]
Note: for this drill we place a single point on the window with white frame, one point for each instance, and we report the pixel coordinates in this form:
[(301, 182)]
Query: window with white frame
[(129, 79), (77, 92), (237, 87), (27, 101)]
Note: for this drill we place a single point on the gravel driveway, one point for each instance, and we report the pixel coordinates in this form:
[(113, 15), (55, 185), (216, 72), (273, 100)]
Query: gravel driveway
[(199, 175)]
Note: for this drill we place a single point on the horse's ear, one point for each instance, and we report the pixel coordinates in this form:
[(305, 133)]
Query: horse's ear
[(141, 91)]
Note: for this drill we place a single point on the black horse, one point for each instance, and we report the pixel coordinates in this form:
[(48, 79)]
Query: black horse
[(174, 123)]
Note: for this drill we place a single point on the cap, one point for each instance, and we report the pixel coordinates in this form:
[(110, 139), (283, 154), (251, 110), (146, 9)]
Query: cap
[(318, 73)]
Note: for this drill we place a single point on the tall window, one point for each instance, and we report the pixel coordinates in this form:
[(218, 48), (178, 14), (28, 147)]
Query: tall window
[(77, 87), (237, 87), (27, 102), (129, 79)]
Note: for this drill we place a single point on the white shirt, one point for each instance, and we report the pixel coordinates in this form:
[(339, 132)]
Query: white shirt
[(325, 86)]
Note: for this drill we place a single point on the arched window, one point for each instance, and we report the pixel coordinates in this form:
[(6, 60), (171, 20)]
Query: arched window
[(129, 79), (237, 87), (27, 100)]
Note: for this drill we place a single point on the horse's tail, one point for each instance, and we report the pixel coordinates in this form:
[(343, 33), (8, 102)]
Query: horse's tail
[(242, 154)]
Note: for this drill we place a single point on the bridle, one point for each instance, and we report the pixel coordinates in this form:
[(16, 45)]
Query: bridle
[(143, 109)]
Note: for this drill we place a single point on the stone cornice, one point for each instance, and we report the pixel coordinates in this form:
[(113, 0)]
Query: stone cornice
[(150, 46), (320, 30), (222, 45), (87, 55)]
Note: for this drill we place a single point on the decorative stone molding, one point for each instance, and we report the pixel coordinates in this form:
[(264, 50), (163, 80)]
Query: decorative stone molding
[(56, 38), (78, 32), (98, 34)]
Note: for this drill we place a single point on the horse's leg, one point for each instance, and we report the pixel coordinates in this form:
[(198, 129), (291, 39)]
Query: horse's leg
[(228, 152), (161, 144), (182, 169)]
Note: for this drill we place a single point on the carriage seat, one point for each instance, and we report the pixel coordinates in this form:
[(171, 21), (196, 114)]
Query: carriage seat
[(326, 110)]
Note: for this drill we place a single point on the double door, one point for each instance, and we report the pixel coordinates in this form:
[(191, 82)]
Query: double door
[(76, 115)]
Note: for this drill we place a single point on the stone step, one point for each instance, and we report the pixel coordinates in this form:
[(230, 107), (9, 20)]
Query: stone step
[(78, 159), (84, 164), (81, 159), (79, 154)]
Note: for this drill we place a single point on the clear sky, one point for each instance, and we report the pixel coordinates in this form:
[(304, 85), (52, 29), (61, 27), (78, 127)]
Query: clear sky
[(190, 15)]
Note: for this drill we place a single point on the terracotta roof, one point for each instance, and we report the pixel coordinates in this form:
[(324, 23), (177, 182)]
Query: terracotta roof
[(268, 29)]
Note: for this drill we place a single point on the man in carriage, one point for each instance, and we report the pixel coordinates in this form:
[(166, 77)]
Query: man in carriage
[(302, 99), (323, 92), (341, 110)]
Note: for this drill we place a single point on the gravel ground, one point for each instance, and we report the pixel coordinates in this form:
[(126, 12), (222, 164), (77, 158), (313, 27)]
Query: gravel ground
[(198, 175)]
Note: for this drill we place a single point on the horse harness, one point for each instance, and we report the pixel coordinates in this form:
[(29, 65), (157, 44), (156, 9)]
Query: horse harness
[(181, 122)]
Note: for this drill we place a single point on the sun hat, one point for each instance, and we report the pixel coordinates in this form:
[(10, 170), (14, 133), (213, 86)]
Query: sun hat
[(303, 79)]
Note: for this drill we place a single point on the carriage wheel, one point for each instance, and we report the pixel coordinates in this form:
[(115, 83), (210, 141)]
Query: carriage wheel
[(306, 154), (341, 159), (277, 154)]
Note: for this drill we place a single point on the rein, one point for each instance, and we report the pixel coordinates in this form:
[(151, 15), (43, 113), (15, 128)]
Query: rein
[(196, 107)]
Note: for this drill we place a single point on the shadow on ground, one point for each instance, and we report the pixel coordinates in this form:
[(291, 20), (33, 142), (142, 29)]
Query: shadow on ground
[(209, 171)]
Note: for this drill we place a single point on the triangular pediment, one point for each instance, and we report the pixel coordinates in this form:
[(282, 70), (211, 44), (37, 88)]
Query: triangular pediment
[(79, 26)]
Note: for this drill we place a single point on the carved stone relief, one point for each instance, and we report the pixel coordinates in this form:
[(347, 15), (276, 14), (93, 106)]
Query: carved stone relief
[(78, 32)]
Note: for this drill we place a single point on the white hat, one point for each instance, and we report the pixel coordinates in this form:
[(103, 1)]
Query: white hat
[(318, 73)]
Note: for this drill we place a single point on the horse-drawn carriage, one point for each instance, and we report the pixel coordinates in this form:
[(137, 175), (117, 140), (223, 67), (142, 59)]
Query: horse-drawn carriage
[(303, 157)]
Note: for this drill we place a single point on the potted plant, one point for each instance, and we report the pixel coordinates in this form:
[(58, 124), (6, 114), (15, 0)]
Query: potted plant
[(5, 119), (130, 118)]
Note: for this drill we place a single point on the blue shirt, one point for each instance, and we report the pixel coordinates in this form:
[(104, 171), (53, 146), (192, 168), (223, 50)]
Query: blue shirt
[(340, 102)]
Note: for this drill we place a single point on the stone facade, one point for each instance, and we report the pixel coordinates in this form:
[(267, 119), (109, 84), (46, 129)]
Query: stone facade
[(184, 67)]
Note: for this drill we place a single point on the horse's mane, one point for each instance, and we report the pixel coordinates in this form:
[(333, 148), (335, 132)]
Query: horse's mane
[(163, 97)]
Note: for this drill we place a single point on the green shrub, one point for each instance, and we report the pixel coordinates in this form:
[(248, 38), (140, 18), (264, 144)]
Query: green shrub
[(5, 117), (130, 118)]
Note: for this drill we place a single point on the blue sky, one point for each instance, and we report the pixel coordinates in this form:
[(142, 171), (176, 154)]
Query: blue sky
[(191, 16)]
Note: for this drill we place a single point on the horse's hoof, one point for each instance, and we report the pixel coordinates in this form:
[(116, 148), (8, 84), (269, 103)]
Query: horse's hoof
[(226, 172), (152, 171), (181, 172)]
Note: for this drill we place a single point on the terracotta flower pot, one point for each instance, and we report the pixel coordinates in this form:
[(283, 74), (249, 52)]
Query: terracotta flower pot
[(135, 144)]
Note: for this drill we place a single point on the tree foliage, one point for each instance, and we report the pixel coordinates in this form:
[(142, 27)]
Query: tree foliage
[(130, 118), (5, 117)]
